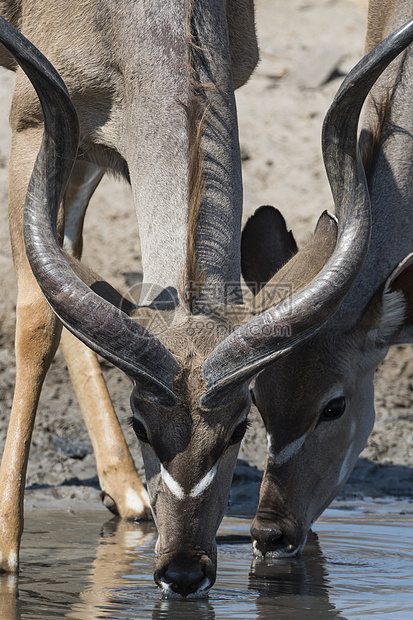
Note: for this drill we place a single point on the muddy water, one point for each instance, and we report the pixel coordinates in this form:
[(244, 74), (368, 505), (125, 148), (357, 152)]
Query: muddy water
[(358, 563)]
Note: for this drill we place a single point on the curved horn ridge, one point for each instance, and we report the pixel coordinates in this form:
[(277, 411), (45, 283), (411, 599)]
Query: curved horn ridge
[(99, 324), (272, 334)]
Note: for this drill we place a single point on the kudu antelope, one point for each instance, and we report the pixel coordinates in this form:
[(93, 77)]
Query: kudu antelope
[(317, 403), (151, 97)]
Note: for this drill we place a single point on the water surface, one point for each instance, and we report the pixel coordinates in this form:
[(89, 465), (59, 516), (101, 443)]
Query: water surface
[(357, 564)]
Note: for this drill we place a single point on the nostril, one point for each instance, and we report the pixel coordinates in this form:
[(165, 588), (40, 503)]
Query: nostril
[(267, 539), (184, 581)]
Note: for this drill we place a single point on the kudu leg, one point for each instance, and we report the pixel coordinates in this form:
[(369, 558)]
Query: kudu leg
[(123, 492), (37, 338)]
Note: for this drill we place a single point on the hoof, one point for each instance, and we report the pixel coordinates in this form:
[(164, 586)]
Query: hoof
[(145, 514), (109, 503)]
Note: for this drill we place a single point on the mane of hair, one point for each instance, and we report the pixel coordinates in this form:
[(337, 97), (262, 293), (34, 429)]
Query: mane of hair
[(196, 111)]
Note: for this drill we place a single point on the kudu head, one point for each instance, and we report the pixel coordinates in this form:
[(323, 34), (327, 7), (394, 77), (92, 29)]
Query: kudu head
[(317, 403), (190, 395)]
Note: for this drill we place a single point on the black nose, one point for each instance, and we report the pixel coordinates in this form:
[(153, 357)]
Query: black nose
[(268, 539), (184, 577)]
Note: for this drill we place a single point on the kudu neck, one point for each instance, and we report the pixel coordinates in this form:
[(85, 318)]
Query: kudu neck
[(193, 64), (391, 190)]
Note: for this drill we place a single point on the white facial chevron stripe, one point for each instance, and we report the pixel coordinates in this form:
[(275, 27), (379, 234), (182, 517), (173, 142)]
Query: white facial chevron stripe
[(172, 484), (204, 483), (287, 452), (176, 489)]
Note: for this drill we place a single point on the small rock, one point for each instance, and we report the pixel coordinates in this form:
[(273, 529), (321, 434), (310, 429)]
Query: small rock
[(245, 156), (72, 448), (133, 278), (317, 66), (246, 473)]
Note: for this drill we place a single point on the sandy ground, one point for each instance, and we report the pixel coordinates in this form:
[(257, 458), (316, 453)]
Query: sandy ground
[(307, 46)]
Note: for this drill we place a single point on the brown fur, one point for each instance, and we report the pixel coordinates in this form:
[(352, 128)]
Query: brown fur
[(190, 341), (372, 139), (383, 19), (12, 11), (379, 13)]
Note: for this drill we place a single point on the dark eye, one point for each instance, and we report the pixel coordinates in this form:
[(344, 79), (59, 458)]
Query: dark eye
[(139, 429), (239, 432), (334, 409)]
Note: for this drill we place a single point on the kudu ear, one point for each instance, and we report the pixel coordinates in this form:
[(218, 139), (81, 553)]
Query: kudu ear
[(395, 321), (266, 245), (303, 266)]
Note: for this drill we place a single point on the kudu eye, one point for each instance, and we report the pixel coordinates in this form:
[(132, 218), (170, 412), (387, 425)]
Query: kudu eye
[(239, 432), (139, 429), (334, 409)]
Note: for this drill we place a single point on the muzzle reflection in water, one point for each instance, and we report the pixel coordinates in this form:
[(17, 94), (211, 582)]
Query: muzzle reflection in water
[(69, 571), (296, 586), (183, 609), (124, 555)]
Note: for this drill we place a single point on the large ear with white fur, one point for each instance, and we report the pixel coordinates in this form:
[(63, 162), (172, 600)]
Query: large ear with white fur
[(396, 322)]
